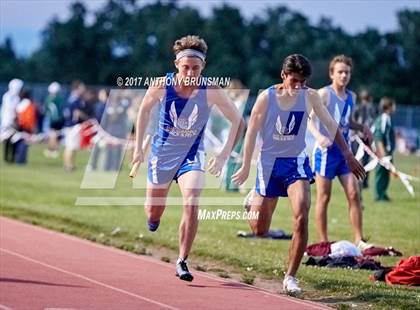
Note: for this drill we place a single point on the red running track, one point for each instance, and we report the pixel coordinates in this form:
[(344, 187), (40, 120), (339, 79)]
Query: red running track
[(43, 269)]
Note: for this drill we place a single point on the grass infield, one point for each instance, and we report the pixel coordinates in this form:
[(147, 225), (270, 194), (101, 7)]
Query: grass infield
[(43, 194)]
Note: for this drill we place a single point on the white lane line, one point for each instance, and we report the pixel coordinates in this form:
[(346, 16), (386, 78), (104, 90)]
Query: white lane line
[(88, 279), (157, 262), (60, 308)]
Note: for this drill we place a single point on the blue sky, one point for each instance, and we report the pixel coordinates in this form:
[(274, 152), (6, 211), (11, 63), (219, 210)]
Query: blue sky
[(23, 20)]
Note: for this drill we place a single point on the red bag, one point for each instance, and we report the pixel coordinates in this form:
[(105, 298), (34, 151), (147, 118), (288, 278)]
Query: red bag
[(407, 272)]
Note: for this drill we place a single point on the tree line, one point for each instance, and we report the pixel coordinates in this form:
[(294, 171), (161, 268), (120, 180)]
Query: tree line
[(127, 38)]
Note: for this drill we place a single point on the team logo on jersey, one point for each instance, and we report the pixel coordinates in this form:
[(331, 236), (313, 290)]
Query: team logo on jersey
[(291, 129), (340, 118), (183, 126)]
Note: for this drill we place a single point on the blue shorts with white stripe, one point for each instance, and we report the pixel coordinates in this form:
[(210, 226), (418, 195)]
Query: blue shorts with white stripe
[(329, 164), (163, 169), (273, 180)]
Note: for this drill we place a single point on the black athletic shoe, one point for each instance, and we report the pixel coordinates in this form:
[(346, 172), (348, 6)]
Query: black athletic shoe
[(182, 271), (153, 226)]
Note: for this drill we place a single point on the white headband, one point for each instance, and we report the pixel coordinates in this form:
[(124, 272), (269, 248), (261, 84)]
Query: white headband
[(191, 53)]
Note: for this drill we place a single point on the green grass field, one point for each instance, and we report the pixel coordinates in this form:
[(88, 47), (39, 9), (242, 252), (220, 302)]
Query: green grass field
[(43, 194)]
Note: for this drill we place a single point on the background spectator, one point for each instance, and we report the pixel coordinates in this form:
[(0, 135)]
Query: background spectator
[(385, 145), (10, 102), (25, 123), (73, 116), (54, 118)]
